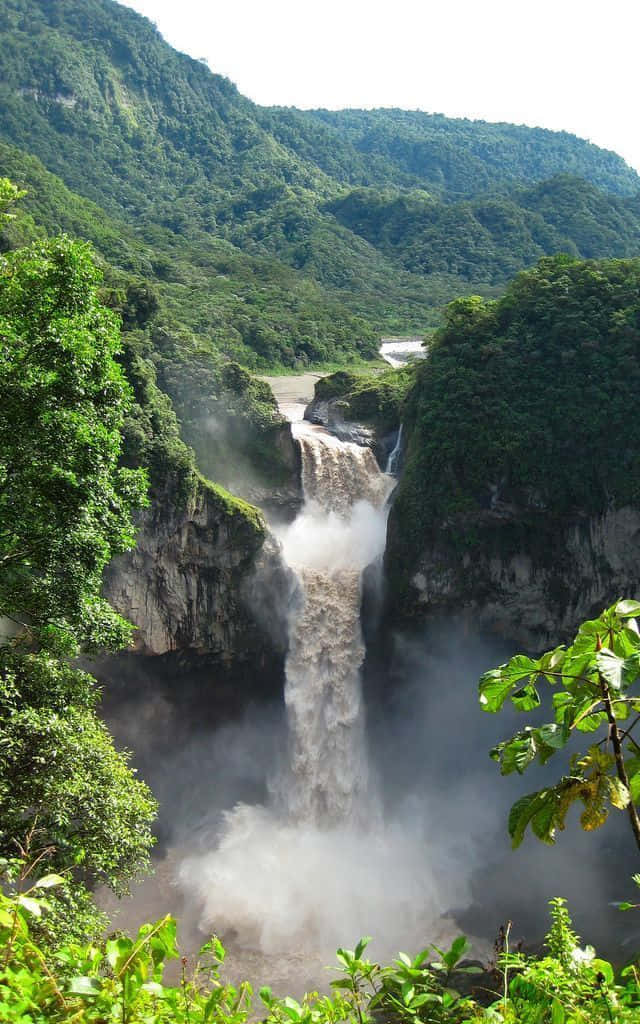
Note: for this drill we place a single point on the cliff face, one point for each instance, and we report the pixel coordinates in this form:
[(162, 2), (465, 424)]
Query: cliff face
[(190, 583), (209, 595), (520, 491), (532, 583), (281, 497)]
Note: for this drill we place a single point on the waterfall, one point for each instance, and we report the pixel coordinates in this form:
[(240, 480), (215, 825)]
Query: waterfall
[(393, 462), (340, 530), (319, 863)]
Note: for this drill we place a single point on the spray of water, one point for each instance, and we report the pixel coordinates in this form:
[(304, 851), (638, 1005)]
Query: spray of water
[(319, 865)]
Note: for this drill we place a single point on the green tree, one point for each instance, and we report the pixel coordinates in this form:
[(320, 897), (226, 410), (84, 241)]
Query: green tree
[(65, 506), (65, 510), (61, 781), (596, 692)]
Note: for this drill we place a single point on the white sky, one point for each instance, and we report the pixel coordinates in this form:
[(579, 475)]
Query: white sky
[(562, 64)]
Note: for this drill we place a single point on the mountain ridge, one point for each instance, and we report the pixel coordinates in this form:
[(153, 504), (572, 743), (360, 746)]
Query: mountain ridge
[(237, 215)]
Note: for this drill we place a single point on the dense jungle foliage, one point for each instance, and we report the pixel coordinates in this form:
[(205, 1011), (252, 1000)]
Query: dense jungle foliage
[(375, 399), (280, 238), (486, 240), (68, 800), (122, 979), (524, 408), (231, 238), (457, 156)]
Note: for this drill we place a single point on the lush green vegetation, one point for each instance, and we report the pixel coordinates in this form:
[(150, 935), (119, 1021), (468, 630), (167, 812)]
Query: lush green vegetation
[(596, 680), (122, 979), (232, 238), (243, 221), (453, 156), (376, 399), (65, 506), (524, 405), (487, 240), (67, 797)]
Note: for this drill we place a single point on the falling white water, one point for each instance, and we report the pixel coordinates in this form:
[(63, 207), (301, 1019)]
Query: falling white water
[(318, 866), (393, 462), (341, 529)]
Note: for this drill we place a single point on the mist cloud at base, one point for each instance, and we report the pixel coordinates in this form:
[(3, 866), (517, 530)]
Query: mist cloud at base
[(282, 886), (437, 845), (428, 735)]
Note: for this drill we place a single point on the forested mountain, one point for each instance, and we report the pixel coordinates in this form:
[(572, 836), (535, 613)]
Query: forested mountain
[(522, 476), (489, 238), (276, 236), (451, 156)]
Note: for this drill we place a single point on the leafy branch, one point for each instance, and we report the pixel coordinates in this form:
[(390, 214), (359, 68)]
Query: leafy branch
[(597, 678)]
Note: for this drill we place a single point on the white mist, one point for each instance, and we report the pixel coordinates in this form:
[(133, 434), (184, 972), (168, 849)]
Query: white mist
[(319, 866)]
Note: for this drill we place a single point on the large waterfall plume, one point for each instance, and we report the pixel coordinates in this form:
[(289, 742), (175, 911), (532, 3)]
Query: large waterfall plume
[(340, 530), (319, 865)]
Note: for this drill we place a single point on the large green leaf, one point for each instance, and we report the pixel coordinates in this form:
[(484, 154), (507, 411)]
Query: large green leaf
[(627, 609), (48, 881), (592, 628), (610, 667), (591, 723), (459, 947), (585, 718), (526, 699), (30, 905), (85, 986), (618, 793), (496, 685), (631, 669), (517, 753), (524, 810), (118, 950), (578, 669), (543, 822), (552, 735), (551, 663)]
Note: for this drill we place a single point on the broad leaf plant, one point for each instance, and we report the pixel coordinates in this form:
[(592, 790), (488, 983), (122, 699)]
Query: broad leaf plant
[(596, 691)]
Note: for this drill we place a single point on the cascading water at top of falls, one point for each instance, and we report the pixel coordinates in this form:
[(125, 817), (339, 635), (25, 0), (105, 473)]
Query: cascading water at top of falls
[(340, 530)]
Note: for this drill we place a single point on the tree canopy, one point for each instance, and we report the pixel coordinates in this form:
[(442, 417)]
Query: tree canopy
[(66, 795), (65, 505), (524, 405)]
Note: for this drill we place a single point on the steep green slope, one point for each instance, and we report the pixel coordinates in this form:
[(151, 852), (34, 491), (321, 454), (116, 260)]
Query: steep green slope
[(245, 306), (458, 156), (488, 239), (242, 220), (99, 78), (522, 419)]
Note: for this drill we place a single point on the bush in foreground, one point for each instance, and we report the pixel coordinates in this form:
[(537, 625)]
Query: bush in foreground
[(121, 980)]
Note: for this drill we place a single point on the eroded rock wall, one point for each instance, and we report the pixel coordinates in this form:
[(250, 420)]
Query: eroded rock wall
[(191, 583), (532, 583)]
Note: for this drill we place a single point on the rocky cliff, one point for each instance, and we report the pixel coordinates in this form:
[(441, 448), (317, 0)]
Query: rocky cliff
[(209, 595), (520, 494), (532, 583), (191, 583), (365, 409)]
